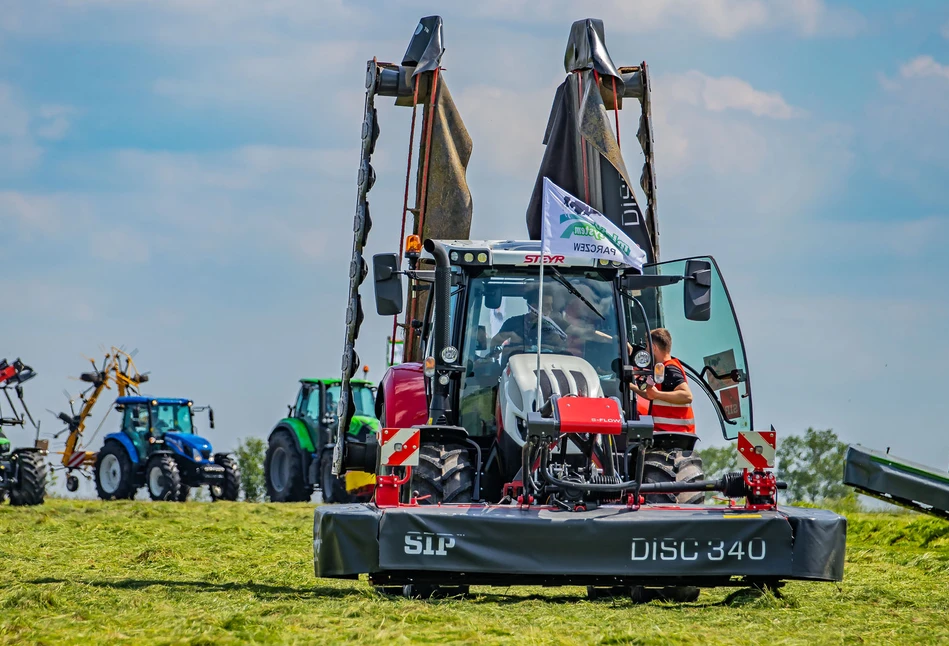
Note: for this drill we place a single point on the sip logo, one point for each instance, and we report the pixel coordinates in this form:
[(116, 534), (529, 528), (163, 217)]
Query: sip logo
[(429, 544)]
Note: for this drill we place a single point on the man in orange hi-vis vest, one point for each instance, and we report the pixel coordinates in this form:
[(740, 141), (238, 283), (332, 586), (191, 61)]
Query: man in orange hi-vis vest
[(671, 401)]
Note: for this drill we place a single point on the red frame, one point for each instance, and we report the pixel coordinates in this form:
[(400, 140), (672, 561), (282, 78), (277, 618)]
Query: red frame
[(403, 395)]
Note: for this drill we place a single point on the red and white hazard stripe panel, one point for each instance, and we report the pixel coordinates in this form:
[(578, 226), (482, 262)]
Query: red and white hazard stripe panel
[(756, 449), (76, 459), (399, 447)]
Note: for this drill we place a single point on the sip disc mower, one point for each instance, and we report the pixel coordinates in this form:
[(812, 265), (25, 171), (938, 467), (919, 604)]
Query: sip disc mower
[(528, 458), (299, 456), (22, 471)]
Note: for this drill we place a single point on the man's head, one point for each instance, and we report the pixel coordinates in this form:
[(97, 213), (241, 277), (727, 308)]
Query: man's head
[(532, 293), (661, 343)]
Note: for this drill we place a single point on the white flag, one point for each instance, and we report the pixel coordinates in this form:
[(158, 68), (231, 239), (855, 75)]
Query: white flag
[(573, 229)]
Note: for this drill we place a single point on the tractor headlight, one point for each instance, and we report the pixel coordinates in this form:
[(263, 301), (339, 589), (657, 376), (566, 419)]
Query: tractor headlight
[(641, 359), (449, 354), (196, 454)]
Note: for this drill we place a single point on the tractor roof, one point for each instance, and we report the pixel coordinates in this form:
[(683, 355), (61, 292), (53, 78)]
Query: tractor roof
[(332, 382), (136, 399), (513, 253)]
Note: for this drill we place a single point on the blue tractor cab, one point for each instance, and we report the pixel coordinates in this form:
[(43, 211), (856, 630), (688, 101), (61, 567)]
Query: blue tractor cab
[(157, 448)]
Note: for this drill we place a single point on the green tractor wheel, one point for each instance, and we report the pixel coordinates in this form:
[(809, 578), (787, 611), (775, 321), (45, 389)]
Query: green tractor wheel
[(283, 470), (333, 487), (30, 488)]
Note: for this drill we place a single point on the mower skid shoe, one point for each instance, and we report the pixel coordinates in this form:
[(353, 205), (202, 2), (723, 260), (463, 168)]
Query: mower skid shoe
[(456, 545)]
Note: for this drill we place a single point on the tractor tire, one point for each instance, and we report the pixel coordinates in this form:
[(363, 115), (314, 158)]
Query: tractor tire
[(676, 465), (183, 492), (114, 473), (162, 478), (230, 489), (283, 470), (333, 487), (444, 474), (31, 475)]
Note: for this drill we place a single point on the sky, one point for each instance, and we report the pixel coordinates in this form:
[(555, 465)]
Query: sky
[(180, 177)]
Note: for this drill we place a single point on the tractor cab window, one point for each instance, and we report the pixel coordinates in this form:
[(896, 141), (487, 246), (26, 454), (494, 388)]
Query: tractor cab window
[(135, 425), (712, 351), (311, 404), (362, 398), (578, 318), (175, 418)]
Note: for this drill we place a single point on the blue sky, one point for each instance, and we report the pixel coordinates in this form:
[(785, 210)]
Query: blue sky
[(179, 177)]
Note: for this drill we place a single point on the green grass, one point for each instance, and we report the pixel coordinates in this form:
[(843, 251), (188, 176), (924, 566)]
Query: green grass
[(199, 573)]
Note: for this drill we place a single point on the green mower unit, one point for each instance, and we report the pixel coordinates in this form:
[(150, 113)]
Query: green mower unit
[(300, 447), (22, 471)]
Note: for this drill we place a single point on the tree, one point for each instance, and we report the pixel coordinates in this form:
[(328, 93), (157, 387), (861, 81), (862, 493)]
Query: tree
[(812, 465), (719, 460), (250, 459)]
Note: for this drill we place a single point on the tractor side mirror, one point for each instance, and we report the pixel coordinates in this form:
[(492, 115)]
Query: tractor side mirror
[(697, 292), (388, 284), (211, 417)]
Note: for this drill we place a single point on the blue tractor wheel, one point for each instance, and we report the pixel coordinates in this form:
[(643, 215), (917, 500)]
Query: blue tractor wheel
[(230, 489), (114, 473), (163, 478)]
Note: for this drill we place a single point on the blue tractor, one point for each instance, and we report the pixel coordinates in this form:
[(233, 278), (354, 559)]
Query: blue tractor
[(157, 448)]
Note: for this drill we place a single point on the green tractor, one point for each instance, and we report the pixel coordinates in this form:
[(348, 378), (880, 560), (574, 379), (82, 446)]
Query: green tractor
[(300, 448)]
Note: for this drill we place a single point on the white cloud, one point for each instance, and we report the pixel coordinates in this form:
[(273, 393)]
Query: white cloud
[(54, 121), (723, 19), (922, 67), (726, 93)]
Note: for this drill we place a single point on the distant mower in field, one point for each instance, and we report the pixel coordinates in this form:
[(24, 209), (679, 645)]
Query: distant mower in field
[(22, 471), (156, 446)]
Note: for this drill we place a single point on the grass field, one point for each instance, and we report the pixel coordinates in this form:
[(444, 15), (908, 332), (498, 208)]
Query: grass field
[(200, 573)]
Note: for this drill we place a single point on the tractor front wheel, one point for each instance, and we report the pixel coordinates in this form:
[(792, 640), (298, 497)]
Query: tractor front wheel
[(163, 478), (230, 489), (445, 474), (674, 465), (30, 488), (333, 487), (283, 470), (113, 473)]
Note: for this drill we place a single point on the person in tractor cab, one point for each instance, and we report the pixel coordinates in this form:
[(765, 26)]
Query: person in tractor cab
[(670, 401), (521, 330)]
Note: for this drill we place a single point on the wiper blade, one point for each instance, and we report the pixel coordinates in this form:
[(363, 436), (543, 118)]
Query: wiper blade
[(560, 278)]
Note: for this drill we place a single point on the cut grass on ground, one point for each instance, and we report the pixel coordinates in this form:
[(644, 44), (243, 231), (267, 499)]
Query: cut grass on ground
[(200, 573)]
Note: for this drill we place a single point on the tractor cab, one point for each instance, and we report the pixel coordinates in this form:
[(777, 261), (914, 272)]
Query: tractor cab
[(317, 402), (594, 320), (148, 421)]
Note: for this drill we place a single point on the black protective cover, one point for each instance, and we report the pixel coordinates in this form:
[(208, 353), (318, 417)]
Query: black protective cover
[(896, 480), (507, 545)]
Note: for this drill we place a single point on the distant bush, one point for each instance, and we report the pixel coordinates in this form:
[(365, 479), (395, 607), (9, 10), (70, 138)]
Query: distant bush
[(250, 458)]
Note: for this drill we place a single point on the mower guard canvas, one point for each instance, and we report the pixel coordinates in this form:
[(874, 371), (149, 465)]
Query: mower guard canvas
[(897, 481), (610, 545)]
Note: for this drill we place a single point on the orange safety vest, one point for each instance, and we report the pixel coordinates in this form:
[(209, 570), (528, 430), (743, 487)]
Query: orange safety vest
[(673, 417)]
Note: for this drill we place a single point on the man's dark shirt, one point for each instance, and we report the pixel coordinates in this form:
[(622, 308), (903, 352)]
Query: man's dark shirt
[(525, 326), (674, 377)]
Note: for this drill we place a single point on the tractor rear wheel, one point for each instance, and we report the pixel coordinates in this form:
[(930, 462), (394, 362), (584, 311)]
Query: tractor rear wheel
[(674, 465), (283, 470), (31, 479), (113, 473), (163, 478), (445, 474), (333, 487), (230, 489)]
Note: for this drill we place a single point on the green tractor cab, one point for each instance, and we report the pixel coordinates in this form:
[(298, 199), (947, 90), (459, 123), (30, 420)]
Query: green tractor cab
[(300, 447)]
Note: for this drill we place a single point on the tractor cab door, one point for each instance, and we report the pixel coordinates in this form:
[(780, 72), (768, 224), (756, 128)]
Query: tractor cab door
[(135, 425), (712, 351), (309, 409)]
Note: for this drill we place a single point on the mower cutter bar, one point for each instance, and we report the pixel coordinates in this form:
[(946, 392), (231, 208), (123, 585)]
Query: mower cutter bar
[(514, 545)]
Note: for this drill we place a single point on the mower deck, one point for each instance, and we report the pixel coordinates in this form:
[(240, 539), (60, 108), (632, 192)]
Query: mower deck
[(611, 545), (897, 481)]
